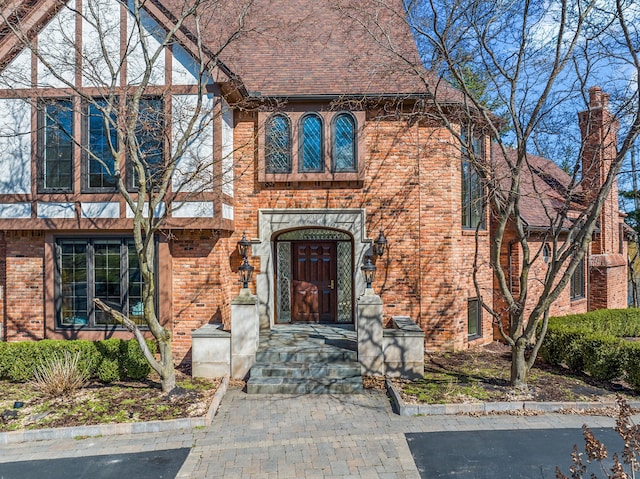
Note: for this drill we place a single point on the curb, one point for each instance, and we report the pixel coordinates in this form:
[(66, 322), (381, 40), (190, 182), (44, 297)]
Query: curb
[(402, 409), (13, 437)]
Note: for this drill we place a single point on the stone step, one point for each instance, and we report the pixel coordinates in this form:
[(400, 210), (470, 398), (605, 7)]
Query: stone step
[(344, 369), (299, 355), (323, 385)]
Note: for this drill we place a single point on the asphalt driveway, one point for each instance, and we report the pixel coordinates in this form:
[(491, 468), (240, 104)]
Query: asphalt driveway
[(143, 465), (510, 454)]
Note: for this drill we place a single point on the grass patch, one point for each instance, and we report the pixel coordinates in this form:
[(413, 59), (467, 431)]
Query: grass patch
[(483, 375)]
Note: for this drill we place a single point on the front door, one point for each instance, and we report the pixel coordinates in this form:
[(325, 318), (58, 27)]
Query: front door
[(313, 286)]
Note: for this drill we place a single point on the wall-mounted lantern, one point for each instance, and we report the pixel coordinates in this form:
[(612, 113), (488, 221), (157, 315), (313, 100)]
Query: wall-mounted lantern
[(380, 244)]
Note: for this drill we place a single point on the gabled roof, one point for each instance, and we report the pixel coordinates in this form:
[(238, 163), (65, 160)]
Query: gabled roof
[(544, 187), (286, 48), (327, 47)]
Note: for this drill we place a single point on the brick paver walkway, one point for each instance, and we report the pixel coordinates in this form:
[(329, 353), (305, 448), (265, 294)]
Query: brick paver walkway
[(288, 436)]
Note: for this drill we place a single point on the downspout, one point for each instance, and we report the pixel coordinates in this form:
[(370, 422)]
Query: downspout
[(419, 222), (510, 265)]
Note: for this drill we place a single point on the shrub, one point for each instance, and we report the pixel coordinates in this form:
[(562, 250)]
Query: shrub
[(59, 375), (108, 371), (134, 363), (603, 357), (632, 366), (107, 360)]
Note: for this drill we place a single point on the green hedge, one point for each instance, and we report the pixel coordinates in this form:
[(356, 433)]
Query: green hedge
[(595, 343), (108, 360)]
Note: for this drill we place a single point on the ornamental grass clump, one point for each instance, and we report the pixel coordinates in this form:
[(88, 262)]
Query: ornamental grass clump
[(59, 375)]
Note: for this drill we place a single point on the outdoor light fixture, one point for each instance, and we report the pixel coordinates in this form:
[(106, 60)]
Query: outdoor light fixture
[(246, 270), (369, 272), (380, 244), (243, 246)]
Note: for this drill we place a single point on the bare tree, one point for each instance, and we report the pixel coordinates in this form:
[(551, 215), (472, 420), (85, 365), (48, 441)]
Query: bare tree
[(157, 153), (538, 60)]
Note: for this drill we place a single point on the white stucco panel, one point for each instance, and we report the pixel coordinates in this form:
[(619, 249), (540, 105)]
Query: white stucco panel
[(100, 210), (192, 129), (15, 210), (151, 42), (18, 73), (15, 146), (56, 210), (227, 211), (227, 149), (56, 43), (184, 69), (158, 213), (193, 209), (100, 42)]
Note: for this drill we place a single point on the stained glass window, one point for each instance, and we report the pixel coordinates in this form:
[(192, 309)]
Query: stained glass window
[(344, 143), (311, 144), (278, 144)]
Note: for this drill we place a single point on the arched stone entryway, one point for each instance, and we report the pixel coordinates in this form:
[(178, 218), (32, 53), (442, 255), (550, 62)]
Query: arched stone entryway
[(313, 276), (272, 223)]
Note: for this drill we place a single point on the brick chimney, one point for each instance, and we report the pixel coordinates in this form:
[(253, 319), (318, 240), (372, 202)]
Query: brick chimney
[(599, 135), (607, 267)]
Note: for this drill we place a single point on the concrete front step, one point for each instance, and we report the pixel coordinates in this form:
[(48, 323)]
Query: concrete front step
[(333, 370), (321, 385)]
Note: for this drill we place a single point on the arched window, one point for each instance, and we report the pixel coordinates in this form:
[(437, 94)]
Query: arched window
[(311, 141), (344, 143), (278, 144)]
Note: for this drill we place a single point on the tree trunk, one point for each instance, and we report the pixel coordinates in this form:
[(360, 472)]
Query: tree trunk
[(518, 365), (167, 373)]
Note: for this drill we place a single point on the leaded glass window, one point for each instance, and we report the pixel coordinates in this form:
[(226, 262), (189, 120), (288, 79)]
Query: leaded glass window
[(311, 157), (87, 269), (100, 139), (473, 204), (283, 285), (576, 289), (344, 143), (56, 145), (278, 144)]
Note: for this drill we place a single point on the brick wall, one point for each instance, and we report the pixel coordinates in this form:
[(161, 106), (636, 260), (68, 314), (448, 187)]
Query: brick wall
[(23, 285), (412, 190), (201, 277)]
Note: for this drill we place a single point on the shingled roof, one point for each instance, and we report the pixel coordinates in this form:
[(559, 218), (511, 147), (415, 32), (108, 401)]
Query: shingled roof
[(285, 48), (544, 187)]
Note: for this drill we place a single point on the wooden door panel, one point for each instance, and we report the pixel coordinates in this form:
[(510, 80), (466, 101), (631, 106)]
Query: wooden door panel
[(314, 297)]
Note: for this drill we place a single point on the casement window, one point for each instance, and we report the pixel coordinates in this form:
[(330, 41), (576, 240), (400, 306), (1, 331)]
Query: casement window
[(278, 144), (104, 268), (474, 318), (100, 137), (473, 203), (55, 145), (150, 138), (311, 146), (576, 288), (344, 146)]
